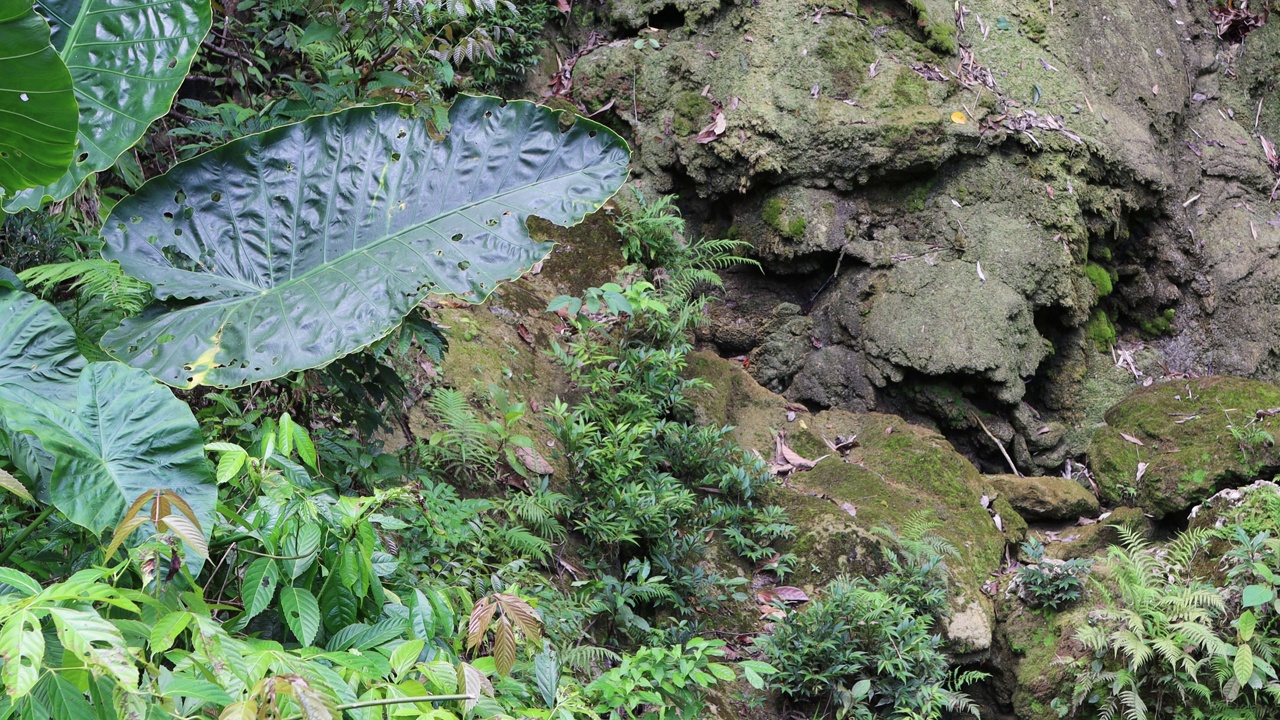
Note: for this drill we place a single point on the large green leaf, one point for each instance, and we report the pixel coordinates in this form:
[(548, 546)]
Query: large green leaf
[(310, 241), (127, 60), (126, 435), (37, 105), (37, 347), (38, 353)]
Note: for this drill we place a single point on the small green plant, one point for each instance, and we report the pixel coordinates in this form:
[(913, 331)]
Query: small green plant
[(1170, 644), (662, 682), (1045, 582), (866, 648)]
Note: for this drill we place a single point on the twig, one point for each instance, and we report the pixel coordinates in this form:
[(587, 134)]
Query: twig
[(1191, 199), (17, 540), (227, 52), (1257, 116), (999, 444)]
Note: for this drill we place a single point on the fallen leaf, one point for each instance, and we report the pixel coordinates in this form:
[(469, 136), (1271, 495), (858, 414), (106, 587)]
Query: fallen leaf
[(981, 276), (999, 522), (849, 508), (748, 38), (524, 334), (1132, 439), (533, 461), (564, 6), (985, 502), (791, 594), (1142, 470), (958, 118), (1086, 521)]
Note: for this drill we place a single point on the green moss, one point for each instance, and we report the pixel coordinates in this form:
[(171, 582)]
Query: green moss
[(1033, 27), (774, 212), (846, 52), (1100, 330), (1100, 278), (1158, 325), (939, 36), (1187, 444), (910, 89), (691, 111)]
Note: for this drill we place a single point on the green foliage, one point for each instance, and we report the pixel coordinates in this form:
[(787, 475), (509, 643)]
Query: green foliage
[(691, 112), (1045, 582), (335, 282), (129, 59), (866, 648), (1169, 644), (1159, 325), (38, 113), (661, 682)]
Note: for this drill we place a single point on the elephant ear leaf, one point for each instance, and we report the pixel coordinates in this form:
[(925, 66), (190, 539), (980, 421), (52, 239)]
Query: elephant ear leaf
[(127, 60), (125, 435), (38, 350), (285, 250), (37, 105)]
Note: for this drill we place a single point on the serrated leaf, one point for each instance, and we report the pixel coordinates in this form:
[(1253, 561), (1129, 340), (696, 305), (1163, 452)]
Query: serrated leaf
[(196, 688), (504, 646), (22, 648), (167, 629), (259, 585), (303, 543), (405, 656), (480, 619), (38, 113), (1242, 666), (97, 643), (65, 700), (182, 527), (301, 613), (1246, 625), (310, 241), (127, 60), (338, 605)]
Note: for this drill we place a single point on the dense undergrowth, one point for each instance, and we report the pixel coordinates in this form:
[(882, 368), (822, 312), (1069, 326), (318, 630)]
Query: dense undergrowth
[(253, 553)]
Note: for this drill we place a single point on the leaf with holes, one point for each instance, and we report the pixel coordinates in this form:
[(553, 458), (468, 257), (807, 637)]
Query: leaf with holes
[(37, 105), (259, 586), (291, 248), (22, 649), (301, 613), (126, 435), (127, 60), (96, 642)]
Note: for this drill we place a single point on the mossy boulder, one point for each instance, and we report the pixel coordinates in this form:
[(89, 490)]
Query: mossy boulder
[(1255, 507), (1080, 541), (1028, 655), (897, 471), (1046, 498), (1193, 437)]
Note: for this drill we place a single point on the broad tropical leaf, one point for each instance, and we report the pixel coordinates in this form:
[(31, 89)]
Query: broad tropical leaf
[(37, 106), (310, 241), (125, 435), (301, 613), (37, 345), (259, 586), (127, 60), (94, 641), (22, 649)]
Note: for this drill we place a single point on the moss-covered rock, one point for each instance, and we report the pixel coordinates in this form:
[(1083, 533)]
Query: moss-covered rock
[(897, 471), (1196, 437), (1255, 507), (1046, 498)]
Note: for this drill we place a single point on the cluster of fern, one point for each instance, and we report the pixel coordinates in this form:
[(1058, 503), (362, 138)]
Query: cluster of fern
[(1178, 638)]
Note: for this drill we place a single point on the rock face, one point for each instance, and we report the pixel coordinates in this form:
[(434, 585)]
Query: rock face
[(896, 472), (968, 206), (1171, 445), (1046, 498)]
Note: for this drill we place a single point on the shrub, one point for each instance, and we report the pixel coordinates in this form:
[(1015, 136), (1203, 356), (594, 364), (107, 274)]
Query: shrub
[(1045, 582)]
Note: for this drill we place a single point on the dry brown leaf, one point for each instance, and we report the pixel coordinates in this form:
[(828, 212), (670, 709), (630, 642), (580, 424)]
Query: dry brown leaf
[(790, 594), (533, 461), (1132, 439), (849, 508)]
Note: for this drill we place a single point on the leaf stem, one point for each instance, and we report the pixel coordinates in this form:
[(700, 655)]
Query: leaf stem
[(25, 533)]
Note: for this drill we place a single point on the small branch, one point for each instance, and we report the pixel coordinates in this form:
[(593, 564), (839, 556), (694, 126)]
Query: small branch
[(227, 52), (18, 539), (999, 444)]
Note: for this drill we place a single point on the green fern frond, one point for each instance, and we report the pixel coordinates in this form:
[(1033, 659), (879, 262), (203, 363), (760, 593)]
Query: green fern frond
[(94, 277)]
